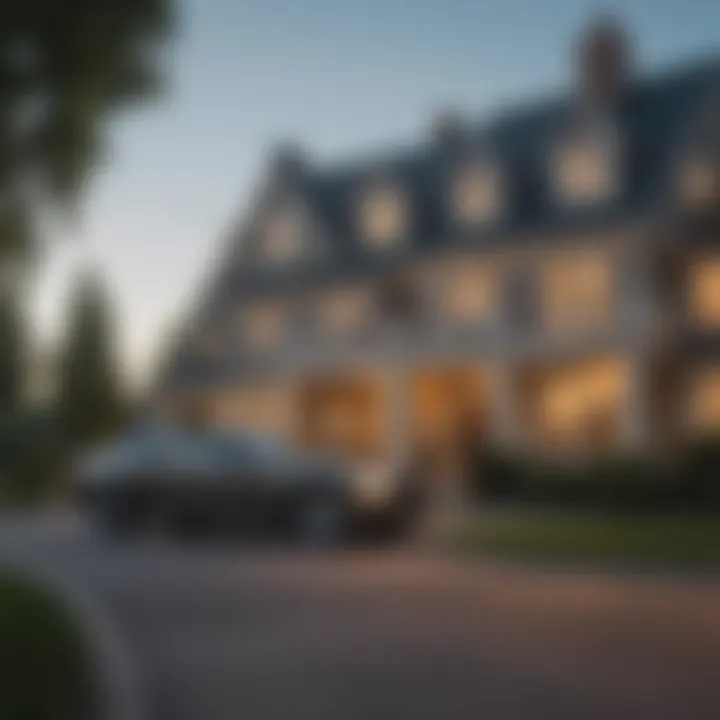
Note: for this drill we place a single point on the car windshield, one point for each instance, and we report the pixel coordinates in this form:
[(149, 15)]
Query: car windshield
[(247, 450)]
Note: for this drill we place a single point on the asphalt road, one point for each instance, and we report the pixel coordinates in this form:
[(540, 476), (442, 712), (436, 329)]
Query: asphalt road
[(231, 632)]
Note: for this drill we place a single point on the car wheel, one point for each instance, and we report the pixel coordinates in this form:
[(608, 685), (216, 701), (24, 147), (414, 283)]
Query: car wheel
[(322, 521)]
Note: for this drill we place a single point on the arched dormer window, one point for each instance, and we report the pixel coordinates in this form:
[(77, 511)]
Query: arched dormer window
[(383, 215), (477, 193), (284, 233), (586, 163)]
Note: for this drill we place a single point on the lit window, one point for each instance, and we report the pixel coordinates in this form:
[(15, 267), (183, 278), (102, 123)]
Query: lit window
[(576, 292), (699, 184), (476, 194), (283, 234), (585, 165), (704, 290), (346, 311), (263, 324), (469, 292), (704, 400), (383, 216), (580, 404)]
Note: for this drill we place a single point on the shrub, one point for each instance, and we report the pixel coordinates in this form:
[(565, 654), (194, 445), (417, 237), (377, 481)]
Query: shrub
[(619, 483)]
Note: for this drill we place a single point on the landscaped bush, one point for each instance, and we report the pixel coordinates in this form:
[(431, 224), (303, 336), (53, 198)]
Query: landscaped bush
[(44, 673), (701, 469), (618, 483)]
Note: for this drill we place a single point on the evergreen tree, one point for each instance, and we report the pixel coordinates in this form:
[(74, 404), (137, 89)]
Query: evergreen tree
[(90, 403)]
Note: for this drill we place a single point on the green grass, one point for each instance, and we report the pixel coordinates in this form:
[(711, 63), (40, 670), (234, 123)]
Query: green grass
[(42, 663), (655, 541)]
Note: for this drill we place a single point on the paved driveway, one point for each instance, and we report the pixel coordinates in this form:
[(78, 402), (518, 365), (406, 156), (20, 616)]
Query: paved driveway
[(231, 632)]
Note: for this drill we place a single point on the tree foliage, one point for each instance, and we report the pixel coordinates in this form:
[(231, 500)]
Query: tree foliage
[(90, 403), (66, 67)]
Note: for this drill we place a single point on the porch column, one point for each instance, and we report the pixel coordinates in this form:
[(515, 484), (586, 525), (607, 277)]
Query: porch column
[(635, 421), (505, 422), (395, 383)]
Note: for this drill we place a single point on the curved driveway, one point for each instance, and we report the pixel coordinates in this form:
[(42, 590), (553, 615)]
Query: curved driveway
[(236, 633)]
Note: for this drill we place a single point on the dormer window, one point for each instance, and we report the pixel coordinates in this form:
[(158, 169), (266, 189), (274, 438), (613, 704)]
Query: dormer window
[(585, 166), (477, 194), (284, 234), (699, 182), (383, 216)]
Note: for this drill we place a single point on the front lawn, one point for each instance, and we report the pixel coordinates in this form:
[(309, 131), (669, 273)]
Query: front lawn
[(653, 541), (42, 663)]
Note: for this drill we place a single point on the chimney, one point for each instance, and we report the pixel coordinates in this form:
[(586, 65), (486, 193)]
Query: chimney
[(604, 61), (448, 129)]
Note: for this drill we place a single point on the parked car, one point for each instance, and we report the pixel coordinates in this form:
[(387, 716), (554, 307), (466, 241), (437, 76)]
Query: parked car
[(168, 479)]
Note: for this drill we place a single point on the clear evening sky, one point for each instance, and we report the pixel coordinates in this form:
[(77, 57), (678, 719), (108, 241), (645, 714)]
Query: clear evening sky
[(340, 76)]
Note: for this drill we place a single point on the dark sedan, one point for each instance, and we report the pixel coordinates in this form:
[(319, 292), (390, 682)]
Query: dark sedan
[(164, 479)]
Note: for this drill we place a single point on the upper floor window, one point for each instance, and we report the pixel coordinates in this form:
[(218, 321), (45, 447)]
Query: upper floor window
[(469, 291), (477, 193), (383, 216), (263, 324), (585, 165), (699, 182), (704, 292), (346, 311), (576, 291)]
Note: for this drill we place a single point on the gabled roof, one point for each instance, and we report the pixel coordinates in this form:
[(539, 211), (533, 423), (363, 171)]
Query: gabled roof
[(655, 116)]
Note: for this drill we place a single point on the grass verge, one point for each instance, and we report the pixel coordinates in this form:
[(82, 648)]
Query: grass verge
[(43, 675), (654, 541)]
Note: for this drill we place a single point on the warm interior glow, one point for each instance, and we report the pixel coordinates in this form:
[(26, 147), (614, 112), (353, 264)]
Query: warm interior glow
[(584, 170), (470, 290), (704, 400), (343, 414), (704, 289), (383, 216), (576, 291), (448, 409), (577, 404), (476, 194), (699, 183), (261, 409), (283, 234)]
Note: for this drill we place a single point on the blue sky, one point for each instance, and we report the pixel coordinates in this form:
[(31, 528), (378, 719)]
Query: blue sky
[(340, 77)]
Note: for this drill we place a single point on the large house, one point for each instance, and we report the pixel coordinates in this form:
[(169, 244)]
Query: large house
[(546, 280)]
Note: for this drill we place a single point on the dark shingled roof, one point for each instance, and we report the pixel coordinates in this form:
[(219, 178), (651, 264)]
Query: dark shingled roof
[(654, 116)]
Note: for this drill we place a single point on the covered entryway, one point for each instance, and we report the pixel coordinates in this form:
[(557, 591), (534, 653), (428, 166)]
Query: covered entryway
[(449, 413)]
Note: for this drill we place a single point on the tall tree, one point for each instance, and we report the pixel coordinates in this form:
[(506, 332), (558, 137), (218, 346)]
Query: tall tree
[(12, 353), (66, 67), (90, 403)]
